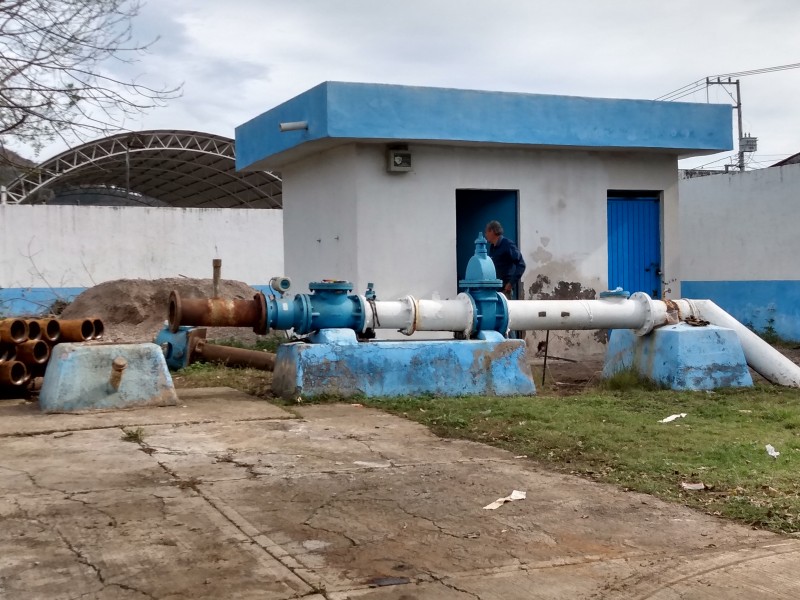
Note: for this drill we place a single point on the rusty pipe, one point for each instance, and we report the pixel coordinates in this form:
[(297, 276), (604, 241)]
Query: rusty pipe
[(118, 366), (50, 329), (235, 357), (13, 331), (7, 353), (215, 312), (13, 373), (216, 266), (33, 352), (34, 330), (76, 330), (99, 328)]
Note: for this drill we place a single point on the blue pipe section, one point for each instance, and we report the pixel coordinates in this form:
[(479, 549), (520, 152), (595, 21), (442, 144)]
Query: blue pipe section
[(328, 306)]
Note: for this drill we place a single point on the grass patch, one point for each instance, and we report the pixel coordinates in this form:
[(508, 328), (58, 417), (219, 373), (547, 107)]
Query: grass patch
[(135, 436), (615, 437), (629, 380), (268, 343), (250, 381)]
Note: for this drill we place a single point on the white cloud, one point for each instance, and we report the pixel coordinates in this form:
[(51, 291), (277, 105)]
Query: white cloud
[(241, 57)]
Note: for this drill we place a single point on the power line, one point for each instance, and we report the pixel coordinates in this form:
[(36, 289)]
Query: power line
[(690, 88)]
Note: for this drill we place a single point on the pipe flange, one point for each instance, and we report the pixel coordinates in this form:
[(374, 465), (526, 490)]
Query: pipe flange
[(411, 302), (649, 321), (502, 326), (365, 322), (175, 312), (262, 327)]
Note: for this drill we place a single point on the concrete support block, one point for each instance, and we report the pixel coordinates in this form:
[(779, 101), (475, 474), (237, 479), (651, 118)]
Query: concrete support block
[(681, 357), (79, 378), (342, 367)]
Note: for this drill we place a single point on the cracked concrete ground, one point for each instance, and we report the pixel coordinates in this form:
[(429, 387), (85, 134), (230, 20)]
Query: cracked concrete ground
[(228, 497)]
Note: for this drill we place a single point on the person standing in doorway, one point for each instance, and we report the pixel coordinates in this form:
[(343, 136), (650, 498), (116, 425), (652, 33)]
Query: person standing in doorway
[(507, 258)]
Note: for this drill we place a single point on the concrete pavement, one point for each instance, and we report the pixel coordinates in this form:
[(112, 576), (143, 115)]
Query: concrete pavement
[(230, 497)]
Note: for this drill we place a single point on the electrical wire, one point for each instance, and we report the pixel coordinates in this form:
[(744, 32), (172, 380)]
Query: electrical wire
[(690, 88)]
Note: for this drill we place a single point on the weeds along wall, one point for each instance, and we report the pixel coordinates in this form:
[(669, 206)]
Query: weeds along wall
[(740, 244), (55, 252)]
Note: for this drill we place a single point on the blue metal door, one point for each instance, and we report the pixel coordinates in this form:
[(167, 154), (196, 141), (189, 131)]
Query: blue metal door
[(474, 209), (634, 244)]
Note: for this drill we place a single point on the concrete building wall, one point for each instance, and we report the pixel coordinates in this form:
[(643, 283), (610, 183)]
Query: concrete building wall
[(401, 228), (740, 243), (57, 251)]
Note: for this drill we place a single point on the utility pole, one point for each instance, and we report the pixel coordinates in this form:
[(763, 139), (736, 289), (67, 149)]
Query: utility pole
[(737, 107)]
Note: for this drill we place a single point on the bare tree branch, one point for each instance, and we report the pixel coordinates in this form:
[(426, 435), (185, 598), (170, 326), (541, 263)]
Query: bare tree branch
[(52, 80)]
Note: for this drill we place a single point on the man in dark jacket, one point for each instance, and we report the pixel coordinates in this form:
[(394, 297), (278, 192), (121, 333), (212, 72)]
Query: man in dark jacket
[(507, 258)]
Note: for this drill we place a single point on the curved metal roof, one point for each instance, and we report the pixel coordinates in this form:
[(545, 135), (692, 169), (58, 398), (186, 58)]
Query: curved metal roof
[(180, 168)]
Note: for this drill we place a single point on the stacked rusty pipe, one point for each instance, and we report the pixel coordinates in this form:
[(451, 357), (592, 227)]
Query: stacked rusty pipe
[(25, 345)]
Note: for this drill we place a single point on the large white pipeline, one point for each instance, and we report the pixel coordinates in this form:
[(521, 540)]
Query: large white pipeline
[(639, 312)]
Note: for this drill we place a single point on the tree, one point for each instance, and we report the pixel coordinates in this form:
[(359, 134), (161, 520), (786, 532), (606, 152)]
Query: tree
[(54, 80)]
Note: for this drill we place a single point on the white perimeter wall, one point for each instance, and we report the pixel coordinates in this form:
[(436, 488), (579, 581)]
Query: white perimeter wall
[(741, 226), (78, 246), (346, 217)]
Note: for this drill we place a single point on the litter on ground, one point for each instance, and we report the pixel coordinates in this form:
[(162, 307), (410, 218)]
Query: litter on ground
[(671, 418), (515, 495)]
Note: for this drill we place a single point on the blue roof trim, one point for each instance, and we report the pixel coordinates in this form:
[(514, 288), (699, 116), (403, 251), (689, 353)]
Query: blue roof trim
[(361, 111)]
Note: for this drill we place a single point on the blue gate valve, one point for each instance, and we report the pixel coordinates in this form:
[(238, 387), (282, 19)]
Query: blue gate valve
[(490, 307)]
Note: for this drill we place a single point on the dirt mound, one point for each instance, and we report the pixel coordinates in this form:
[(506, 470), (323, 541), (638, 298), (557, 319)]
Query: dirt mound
[(135, 309)]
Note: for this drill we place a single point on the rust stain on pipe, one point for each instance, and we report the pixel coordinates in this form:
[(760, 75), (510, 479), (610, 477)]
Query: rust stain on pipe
[(50, 330), (76, 330), (235, 357), (13, 373), (33, 352), (213, 312), (13, 331)]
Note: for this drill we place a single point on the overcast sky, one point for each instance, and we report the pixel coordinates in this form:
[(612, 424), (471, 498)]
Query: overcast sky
[(238, 58)]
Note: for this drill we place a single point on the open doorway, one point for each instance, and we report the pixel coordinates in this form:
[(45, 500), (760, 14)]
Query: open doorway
[(475, 208)]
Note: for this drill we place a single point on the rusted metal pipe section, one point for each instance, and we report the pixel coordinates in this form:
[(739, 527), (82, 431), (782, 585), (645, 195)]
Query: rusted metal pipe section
[(33, 352), (13, 331), (216, 312), (34, 330), (99, 328), (216, 265), (50, 330), (118, 366), (235, 357), (76, 330), (7, 353), (13, 373)]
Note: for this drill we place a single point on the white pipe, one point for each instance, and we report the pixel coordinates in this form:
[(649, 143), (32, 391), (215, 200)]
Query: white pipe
[(763, 358), (639, 313)]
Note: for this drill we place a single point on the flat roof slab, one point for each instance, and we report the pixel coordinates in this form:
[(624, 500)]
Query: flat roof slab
[(338, 112)]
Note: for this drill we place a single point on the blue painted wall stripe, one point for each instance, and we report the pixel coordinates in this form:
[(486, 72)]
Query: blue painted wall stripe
[(360, 111), (757, 304)]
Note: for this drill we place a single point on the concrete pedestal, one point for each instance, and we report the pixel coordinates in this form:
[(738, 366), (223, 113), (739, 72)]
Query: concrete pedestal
[(77, 378), (681, 357), (338, 365)]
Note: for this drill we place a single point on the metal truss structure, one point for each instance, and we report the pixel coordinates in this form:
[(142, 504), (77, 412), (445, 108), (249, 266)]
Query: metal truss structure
[(179, 168)]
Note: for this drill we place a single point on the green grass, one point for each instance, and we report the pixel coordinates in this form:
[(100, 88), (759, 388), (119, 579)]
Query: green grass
[(267, 343), (135, 436), (615, 437), (250, 381)]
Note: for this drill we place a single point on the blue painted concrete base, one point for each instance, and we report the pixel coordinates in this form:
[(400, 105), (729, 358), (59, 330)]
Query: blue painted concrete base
[(681, 357), (77, 378), (341, 366)]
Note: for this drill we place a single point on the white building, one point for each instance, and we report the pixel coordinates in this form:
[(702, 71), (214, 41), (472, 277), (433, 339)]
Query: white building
[(587, 187)]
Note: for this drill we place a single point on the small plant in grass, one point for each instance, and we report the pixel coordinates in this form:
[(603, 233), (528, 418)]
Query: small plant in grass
[(630, 380), (133, 435)]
